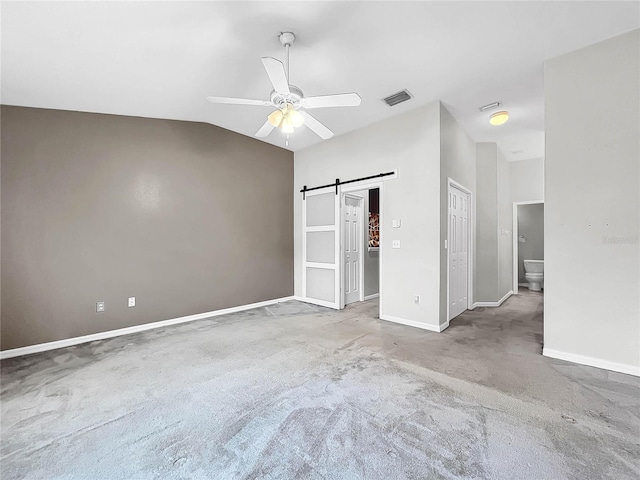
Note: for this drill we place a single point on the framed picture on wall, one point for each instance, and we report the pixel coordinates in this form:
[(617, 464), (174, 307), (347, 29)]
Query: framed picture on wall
[(374, 231)]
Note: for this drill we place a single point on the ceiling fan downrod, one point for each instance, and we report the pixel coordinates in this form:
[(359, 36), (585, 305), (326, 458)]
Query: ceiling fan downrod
[(287, 39)]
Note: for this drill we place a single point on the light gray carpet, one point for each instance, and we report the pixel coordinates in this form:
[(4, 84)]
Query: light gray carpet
[(297, 391)]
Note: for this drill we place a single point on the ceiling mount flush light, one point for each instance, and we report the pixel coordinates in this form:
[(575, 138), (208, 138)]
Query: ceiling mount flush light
[(499, 118)]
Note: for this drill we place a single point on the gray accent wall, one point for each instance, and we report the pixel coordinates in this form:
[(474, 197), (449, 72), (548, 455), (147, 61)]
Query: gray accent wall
[(187, 217), (531, 228), (592, 204)]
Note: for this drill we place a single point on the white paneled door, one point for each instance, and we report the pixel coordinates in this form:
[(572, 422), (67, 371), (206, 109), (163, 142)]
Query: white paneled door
[(321, 248), (352, 244), (458, 249)]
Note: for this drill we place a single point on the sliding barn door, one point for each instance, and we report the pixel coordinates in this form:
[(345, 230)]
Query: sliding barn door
[(321, 248)]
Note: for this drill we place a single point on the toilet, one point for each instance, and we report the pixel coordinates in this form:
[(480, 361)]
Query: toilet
[(534, 273)]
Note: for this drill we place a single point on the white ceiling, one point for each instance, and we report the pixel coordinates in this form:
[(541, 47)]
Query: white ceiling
[(161, 59)]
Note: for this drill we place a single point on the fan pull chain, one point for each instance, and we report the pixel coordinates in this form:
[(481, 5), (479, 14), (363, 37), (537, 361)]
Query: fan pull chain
[(286, 143)]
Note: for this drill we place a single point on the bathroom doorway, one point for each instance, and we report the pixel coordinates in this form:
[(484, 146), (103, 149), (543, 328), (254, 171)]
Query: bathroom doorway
[(360, 244), (528, 244)]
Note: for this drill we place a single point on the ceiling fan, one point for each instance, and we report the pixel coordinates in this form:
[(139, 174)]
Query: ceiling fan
[(289, 100)]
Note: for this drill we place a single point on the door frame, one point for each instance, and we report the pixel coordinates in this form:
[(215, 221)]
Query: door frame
[(515, 240), (343, 294), (354, 187), (471, 220)]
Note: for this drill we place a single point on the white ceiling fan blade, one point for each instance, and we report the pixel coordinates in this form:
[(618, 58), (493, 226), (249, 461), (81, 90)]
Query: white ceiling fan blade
[(314, 124), (239, 101), (277, 74), (338, 100), (265, 130)]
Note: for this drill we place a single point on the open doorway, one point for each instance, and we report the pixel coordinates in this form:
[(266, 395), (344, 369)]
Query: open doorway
[(528, 246), (360, 244)]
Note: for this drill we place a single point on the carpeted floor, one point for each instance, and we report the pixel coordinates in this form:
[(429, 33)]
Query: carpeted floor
[(298, 391)]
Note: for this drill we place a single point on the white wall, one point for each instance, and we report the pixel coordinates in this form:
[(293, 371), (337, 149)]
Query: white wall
[(505, 228), (494, 225), (458, 162), (592, 205), (410, 143), (486, 264), (526, 180)]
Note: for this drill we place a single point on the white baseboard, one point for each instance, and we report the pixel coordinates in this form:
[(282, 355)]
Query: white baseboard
[(593, 362), (413, 323), (68, 342), (494, 304), (369, 297)]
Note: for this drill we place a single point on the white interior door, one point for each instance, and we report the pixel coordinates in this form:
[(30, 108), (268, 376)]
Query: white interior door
[(458, 249), (321, 248), (352, 245)]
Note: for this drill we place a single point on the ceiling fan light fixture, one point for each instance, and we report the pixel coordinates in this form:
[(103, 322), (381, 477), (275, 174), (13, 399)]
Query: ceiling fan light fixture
[(287, 127), (275, 118), (295, 118), (499, 118), (288, 118)]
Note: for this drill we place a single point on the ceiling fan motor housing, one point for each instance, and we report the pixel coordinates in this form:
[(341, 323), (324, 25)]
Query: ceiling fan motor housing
[(293, 98), (287, 38)]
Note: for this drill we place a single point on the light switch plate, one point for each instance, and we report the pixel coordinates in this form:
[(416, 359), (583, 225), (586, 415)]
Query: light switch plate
[(132, 301), (396, 244), (396, 223)]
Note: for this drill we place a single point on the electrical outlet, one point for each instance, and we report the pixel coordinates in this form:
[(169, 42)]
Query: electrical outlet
[(416, 299), (99, 307), (132, 301), (395, 244)]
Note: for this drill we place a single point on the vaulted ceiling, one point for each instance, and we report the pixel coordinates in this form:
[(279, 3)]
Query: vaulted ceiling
[(162, 59)]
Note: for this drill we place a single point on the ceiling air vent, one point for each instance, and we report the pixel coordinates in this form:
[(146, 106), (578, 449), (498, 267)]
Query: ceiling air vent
[(397, 98), (490, 106)]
